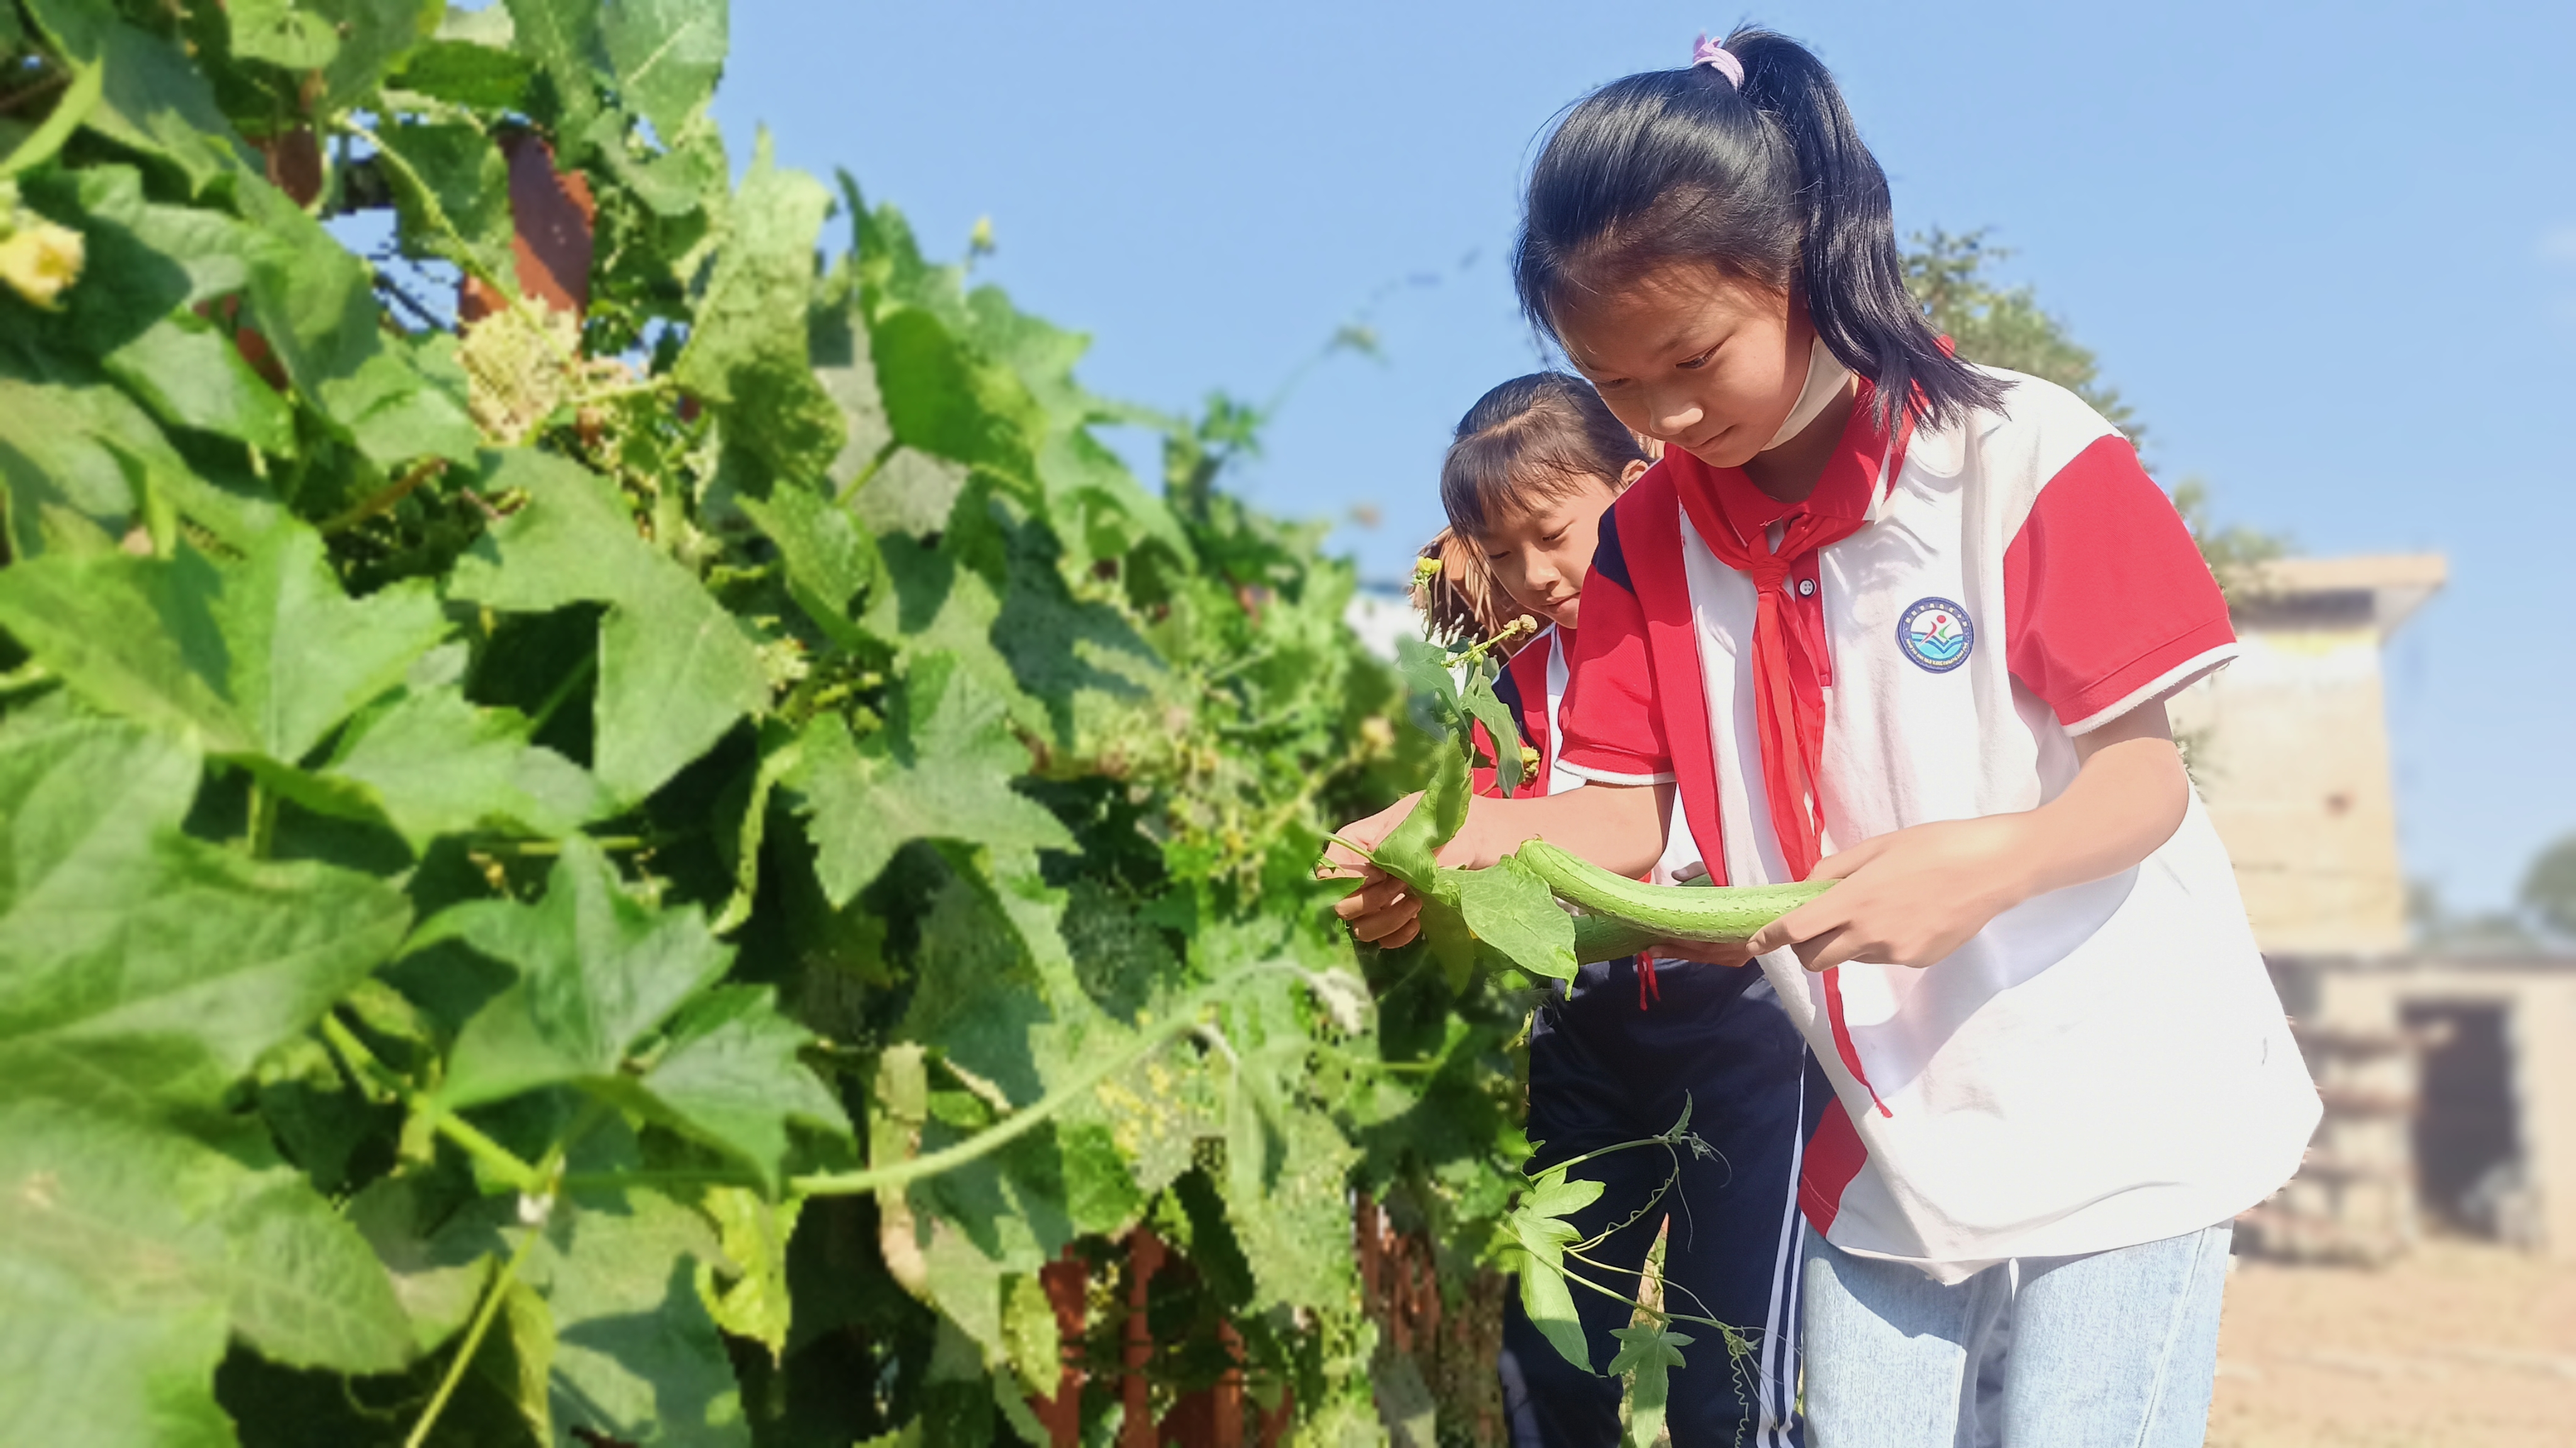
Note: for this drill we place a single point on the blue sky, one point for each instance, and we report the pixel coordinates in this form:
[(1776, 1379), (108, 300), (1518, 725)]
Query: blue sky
[(2328, 252)]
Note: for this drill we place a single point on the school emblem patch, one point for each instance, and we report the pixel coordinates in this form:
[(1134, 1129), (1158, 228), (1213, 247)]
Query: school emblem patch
[(1936, 634)]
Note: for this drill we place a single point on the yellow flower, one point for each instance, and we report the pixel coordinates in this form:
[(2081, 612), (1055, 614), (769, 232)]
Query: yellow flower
[(40, 260)]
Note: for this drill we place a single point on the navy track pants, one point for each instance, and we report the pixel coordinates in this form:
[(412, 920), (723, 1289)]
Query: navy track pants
[(1602, 1071)]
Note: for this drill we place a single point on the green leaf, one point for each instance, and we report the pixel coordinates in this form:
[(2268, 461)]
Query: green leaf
[(598, 970), (463, 73), (155, 101), (305, 1288), (147, 258), (731, 1077), (63, 460), (941, 770), (129, 1252), (982, 1003), (912, 492), (315, 1112), (433, 764), (1006, 1034), (139, 961), (1512, 910), (637, 1358), (1551, 1194), (1427, 679), (1539, 1229), (374, 37), (1036, 1342), (281, 34), (753, 1234), (145, 266), (312, 300), (260, 657), (687, 178), (465, 184), (562, 38), (932, 606), (437, 1277), (105, 1241), (746, 355), (667, 55), (1647, 1355), (405, 400), (1549, 1302), (947, 399), (191, 374), (829, 557), (77, 464), (1407, 851), (837, 344), (675, 669), (1297, 1232), (1481, 704)]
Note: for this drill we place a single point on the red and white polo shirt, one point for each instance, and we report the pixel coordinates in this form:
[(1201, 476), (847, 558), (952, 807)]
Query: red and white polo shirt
[(2101, 1066), (1532, 686)]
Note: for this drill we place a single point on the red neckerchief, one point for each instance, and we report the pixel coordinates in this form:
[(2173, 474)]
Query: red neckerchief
[(1791, 662)]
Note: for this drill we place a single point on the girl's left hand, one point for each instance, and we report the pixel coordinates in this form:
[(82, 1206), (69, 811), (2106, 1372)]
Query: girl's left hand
[(1908, 898)]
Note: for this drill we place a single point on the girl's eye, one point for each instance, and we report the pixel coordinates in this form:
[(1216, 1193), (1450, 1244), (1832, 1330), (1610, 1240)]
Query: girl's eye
[(1699, 360)]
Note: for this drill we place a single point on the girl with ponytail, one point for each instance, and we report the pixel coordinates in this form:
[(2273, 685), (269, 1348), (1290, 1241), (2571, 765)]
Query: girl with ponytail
[(1889, 619)]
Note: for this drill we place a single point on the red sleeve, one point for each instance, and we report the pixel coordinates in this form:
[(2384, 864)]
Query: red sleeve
[(1613, 732), (2107, 601)]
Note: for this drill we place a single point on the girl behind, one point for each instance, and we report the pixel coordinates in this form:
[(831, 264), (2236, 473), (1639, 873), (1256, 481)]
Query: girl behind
[(1535, 464)]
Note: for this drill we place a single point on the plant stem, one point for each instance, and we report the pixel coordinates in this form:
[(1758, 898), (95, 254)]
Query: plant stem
[(499, 1160), (385, 497), (1666, 1315), (496, 1158), (1572, 1162), (29, 675), (563, 693), (662, 1177), (262, 825), (87, 81), (541, 849), (547, 1188), (492, 1296)]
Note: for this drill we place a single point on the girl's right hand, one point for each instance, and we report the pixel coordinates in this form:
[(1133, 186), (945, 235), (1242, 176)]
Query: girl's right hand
[(1380, 911)]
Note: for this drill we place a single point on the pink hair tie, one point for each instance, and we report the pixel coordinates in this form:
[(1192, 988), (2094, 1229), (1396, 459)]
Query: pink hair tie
[(1715, 55)]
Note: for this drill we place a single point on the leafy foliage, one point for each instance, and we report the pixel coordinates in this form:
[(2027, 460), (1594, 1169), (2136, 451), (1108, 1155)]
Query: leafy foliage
[(2002, 326), (2549, 888), (657, 870)]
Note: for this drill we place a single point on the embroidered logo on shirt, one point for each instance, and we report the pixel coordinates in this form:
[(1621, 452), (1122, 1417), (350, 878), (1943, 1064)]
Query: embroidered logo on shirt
[(1936, 634)]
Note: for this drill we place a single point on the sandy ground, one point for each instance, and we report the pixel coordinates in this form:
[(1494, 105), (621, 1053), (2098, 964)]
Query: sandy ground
[(2458, 1345)]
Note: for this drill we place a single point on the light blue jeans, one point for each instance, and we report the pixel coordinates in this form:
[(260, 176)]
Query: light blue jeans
[(2109, 1350)]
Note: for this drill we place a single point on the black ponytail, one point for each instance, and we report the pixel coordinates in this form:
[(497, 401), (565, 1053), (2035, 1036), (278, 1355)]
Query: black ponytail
[(1770, 183)]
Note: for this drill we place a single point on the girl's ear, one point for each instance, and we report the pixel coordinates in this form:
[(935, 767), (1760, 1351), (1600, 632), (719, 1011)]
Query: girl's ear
[(1635, 469)]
